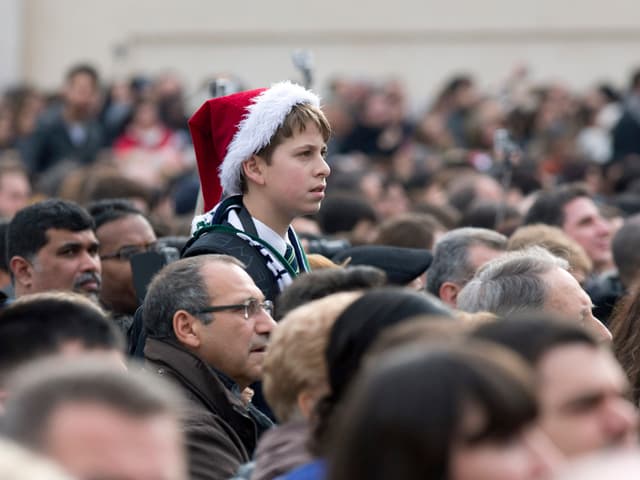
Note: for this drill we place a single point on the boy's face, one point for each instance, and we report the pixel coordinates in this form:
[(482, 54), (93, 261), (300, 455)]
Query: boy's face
[(295, 179)]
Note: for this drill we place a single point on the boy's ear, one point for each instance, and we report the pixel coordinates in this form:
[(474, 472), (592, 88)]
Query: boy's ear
[(186, 327), (22, 270), (253, 169)]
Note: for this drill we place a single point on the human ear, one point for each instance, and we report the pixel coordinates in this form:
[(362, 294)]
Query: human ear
[(22, 270), (253, 169), (448, 293), (186, 328)]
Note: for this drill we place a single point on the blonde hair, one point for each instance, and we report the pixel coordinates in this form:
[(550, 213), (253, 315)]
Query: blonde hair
[(295, 358), (554, 240)]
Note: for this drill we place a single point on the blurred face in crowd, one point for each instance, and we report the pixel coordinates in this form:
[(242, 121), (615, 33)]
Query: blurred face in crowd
[(15, 191), (68, 261), (583, 395), (231, 343), (566, 298), (583, 223), (526, 455), (94, 441), (81, 95), (119, 241)]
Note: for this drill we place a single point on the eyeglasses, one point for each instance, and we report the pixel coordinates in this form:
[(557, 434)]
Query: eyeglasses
[(251, 307), (125, 253)]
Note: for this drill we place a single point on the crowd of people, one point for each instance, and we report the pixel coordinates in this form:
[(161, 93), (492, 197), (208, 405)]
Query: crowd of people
[(278, 285)]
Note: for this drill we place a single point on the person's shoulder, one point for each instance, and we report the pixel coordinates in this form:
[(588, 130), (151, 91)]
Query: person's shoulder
[(315, 470)]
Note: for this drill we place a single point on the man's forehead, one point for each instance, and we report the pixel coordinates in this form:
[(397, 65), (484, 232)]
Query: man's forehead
[(598, 368), (62, 235), (579, 208)]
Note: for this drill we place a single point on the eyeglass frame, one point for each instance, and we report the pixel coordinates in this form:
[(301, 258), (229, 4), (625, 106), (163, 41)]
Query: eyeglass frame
[(266, 305), (125, 258)]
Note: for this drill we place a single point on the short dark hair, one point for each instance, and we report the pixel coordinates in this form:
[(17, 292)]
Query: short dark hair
[(38, 325), (532, 335), (83, 69), (27, 232), (110, 210), (548, 207), (341, 212), (321, 283), (625, 250)]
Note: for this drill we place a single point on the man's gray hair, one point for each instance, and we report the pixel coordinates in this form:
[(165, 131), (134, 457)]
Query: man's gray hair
[(451, 255), (39, 389), (178, 286), (510, 283)]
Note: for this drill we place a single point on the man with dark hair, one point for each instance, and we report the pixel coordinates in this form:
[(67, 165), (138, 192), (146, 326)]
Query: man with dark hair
[(71, 132), (208, 326), (123, 231), (321, 283), (457, 256), (97, 421), (51, 245), (54, 323), (582, 390), (571, 208)]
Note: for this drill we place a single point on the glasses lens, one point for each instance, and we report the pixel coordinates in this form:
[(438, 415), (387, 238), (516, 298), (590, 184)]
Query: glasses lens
[(125, 253), (267, 305)]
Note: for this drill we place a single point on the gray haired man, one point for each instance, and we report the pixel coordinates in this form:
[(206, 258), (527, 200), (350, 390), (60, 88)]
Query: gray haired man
[(457, 256), (530, 279)]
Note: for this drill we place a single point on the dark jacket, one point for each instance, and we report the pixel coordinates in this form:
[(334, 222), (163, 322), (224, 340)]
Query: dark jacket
[(220, 434), (50, 143)]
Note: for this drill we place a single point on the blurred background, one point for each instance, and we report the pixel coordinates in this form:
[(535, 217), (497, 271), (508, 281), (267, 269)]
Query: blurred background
[(418, 41)]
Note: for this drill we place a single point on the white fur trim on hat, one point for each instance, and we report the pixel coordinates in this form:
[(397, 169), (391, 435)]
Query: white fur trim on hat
[(263, 118)]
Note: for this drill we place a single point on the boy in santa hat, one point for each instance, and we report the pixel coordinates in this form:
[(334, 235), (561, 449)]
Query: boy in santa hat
[(261, 162)]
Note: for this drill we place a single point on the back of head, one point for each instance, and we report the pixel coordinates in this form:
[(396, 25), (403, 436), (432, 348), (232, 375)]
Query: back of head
[(40, 389), (27, 231), (510, 283), (406, 413), (361, 323), (320, 283), (554, 240), (450, 256), (548, 207), (412, 230), (626, 254), (341, 212), (533, 335), (295, 358), (45, 323), (110, 210)]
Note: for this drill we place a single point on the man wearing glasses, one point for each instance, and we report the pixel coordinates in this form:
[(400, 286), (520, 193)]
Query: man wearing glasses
[(123, 231), (208, 326)]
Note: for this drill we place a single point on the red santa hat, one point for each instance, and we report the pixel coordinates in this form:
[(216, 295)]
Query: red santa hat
[(226, 131)]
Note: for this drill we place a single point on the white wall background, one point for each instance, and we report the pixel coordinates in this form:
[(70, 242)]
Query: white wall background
[(11, 42), (420, 41)]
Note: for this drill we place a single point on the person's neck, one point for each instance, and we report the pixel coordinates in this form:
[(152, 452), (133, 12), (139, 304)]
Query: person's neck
[(262, 211)]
